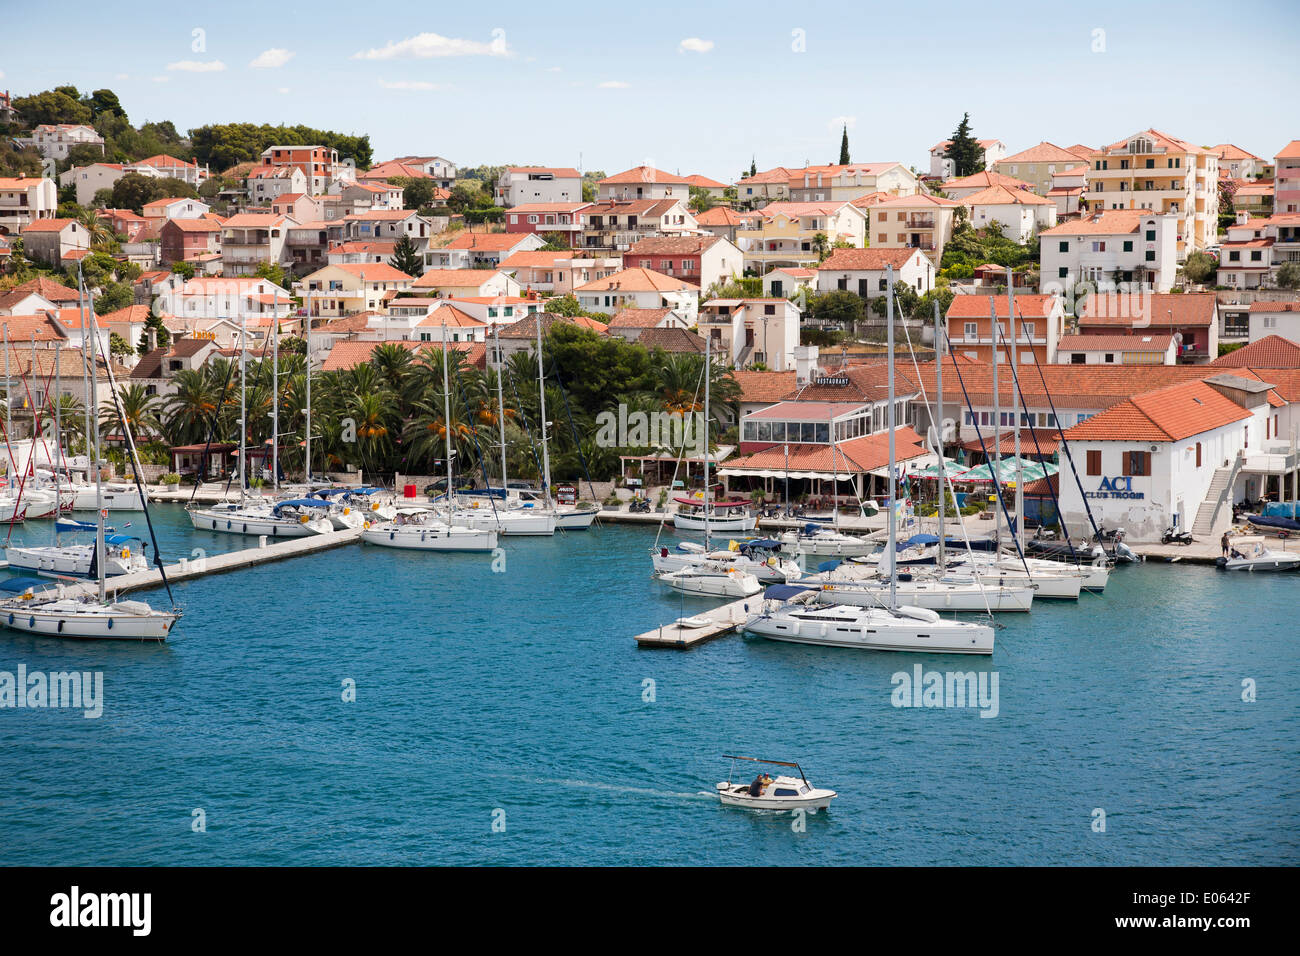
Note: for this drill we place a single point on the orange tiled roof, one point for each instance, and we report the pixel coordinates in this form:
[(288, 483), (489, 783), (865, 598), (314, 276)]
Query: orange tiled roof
[(638, 280), (643, 174), (859, 455), (1270, 352), (1002, 196), (763, 386), (1044, 152), (866, 260), (1166, 310), (1166, 414)]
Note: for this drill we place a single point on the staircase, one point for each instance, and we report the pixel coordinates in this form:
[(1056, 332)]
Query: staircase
[(1212, 508), (743, 358)]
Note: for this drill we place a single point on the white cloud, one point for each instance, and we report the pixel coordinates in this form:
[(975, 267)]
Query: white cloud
[(425, 45), (272, 58), (694, 45), (197, 66), (613, 85), (839, 122), (283, 89), (410, 85)]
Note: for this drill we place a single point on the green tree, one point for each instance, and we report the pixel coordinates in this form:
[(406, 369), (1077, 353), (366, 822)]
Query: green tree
[(116, 295), (118, 346), (1200, 267), (844, 146), (964, 150), (406, 258), (839, 306), (1288, 276), (133, 191), (182, 268), (52, 106), (416, 192), (105, 101), (701, 200), (164, 337)]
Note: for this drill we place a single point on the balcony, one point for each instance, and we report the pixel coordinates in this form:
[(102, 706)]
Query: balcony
[(921, 222)]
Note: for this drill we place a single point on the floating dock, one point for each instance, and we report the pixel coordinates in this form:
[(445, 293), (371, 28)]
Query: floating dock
[(723, 620), (187, 569)]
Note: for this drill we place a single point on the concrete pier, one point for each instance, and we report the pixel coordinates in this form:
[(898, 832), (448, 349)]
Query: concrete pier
[(188, 569)]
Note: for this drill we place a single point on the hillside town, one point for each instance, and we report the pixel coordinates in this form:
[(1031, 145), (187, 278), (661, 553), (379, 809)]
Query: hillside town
[(1141, 296)]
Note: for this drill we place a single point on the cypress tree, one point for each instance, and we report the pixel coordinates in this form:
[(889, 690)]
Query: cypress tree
[(964, 150), (844, 147)]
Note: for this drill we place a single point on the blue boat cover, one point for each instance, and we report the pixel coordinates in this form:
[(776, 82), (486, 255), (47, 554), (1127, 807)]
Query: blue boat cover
[(1280, 509), (783, 592), (122, 539), (918, 539), (829, 565), (300, 503), (67, 524), (761, 544), (22, 585)]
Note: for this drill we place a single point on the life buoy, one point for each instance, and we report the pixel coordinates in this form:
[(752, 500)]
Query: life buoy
[(302, 519), (346, 510), (366, 526), (126, 553)]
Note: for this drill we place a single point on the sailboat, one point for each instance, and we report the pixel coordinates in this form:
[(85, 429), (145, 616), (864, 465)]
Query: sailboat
[(86, 617), (420, 529), (789, 612)]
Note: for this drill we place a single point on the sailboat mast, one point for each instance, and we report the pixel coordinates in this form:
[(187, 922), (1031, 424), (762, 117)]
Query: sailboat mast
[(58, 434), (243, 398), (997, 428), (938, 388), (835, 478), (446, 413), (890, 423), (275, 391), (9, 401), (541, 393), (307, 448), (501, 408), (99, 480), (708, 374), (1015, 427)]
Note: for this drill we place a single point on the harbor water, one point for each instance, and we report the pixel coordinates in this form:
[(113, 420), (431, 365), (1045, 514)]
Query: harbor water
[(504, 715)]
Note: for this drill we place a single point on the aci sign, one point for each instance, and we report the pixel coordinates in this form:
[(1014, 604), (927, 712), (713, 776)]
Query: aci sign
[(1120, 486)]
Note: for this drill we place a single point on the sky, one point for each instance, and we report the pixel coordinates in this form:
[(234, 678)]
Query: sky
[(685, 87)]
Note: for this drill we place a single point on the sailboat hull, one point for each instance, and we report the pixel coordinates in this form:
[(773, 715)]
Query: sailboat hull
[(941, 637), (236, 523), (699, 523), (935, 596), (128, 620)]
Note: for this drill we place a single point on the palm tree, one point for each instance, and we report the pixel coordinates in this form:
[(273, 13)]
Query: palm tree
[(821, 245), (139, 408), (189, 411)]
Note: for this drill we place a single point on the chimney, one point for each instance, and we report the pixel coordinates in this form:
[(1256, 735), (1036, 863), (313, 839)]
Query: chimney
[(153, 339), (805, 363)]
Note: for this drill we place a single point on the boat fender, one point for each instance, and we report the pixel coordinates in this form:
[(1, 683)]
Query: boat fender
[(346, 510), (919, 613), (302, 519), (60, 627), (110, 623), (126, 553), (31, 621), (366, 526)]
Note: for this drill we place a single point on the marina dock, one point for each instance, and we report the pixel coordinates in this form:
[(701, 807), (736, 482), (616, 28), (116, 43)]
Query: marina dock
[(723, 620), (188, 569)]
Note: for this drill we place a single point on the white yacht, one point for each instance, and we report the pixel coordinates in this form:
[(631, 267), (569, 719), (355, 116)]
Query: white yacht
[(904, 628), (295, 518), (712, 580), (37, 612), (938, 593), (762, 562), (715, 516), (123, 554), (422, 530), (827, 542)]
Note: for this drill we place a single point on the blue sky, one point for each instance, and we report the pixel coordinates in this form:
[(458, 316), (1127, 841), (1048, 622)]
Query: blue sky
[(688, 87)]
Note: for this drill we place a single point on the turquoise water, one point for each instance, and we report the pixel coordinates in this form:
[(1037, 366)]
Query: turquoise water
[(523, 692)]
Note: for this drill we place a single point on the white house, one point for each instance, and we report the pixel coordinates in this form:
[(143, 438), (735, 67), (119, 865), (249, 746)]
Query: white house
[(24, 199), (470, 283), (1020, 212), (518, 185), (266, 183), (55, 141), (1125, 245), (1148, 462), (643, 182), (90, 179), (751, 331), (941, 167), (703, 260), (864, 271), (786, 281), (639, 288), (1275, 318), (1154, 349)]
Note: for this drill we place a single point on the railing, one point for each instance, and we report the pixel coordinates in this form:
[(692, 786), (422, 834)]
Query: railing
[(925, 223)]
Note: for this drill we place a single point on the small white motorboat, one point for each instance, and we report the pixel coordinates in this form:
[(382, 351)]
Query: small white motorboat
[(715, 516), (1249, 554), (779, 793), (123, 554), (768, 567), (709, 580), (815, 539), (692, 623)]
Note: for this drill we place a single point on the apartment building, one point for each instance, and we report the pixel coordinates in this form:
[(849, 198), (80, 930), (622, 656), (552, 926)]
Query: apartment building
[(1255, 249), (1154, 171), (941, 167), (752, 331), (1038, 164), (55, 141), (1039, 325), (793, 233), (612, 226), (518, 185), (643, 182), (1236, 163), (703, 260), (922, 222), (319, 164), (1108, 247), (832, 183), (25, 199), (1286, 178)]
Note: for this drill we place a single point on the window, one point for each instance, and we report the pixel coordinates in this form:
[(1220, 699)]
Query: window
[(1128, 247), (1094, 462), (1077, 358), (1064, 247), (882, 237), (972, 331), (1109, 358), (1234, 256), (1136, 463), (1099, 247), (1256, 255), (1063, 272), (1151, 255)]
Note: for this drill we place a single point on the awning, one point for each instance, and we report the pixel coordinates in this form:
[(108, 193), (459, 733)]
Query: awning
[(770, 473), (1032, 471)]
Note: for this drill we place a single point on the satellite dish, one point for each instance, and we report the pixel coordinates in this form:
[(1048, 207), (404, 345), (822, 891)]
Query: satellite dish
[(1178, 337)]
